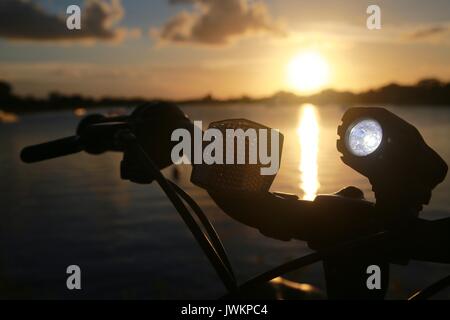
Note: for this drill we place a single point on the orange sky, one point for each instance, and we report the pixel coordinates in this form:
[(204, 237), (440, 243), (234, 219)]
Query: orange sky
[(157, 49)]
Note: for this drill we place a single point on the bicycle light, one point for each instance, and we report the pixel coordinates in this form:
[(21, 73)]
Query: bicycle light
[(364, 137), (392, 154)]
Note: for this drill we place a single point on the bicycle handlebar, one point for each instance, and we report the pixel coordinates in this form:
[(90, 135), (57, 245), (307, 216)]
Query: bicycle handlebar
[(52, 149), (97, 134)]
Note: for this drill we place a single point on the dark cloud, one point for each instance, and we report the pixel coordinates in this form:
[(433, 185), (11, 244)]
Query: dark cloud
[(25, 20), (428, 32), (215, 22)]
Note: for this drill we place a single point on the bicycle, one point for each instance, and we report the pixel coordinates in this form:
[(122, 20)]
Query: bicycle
[(363, 233)]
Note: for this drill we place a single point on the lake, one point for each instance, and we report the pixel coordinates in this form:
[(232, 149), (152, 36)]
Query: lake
[(128, 239)]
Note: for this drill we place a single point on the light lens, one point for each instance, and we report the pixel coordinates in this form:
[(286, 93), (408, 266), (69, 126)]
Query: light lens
[(364, 137)]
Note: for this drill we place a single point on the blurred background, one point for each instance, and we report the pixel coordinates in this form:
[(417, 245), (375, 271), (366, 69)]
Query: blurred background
[(292, 65)]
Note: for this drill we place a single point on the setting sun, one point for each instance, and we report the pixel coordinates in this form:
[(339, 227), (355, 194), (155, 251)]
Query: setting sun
[(307, 72)]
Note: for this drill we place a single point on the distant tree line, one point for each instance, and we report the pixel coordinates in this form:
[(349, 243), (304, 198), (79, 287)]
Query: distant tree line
[(425, 92), (11, 102)]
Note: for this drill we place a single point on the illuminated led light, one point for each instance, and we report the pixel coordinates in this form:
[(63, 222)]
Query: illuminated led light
[(364, 137)]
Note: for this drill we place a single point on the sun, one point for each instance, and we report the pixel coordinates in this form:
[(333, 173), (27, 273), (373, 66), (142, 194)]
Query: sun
[(307, 72)]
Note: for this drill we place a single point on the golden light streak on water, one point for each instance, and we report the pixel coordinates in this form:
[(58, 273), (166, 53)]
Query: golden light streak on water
[(308, 137)]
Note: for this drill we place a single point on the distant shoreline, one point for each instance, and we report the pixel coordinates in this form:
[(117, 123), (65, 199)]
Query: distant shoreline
[(430, 91)]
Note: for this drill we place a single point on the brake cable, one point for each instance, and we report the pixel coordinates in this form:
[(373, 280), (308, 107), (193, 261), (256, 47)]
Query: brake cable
[(210, 230), (431, 290), (224, 273), (307, 260)]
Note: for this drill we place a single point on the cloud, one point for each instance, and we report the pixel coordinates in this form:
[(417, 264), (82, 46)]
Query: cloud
[(428, 32), (25, 20), (216, 22)]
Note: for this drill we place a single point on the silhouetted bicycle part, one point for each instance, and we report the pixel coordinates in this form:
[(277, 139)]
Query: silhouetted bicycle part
[(97, 134)]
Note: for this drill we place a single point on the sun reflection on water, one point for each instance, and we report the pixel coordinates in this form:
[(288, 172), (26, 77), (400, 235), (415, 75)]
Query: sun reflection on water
[(308, 137)]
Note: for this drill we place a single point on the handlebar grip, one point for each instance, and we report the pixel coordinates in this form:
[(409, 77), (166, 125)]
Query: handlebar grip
[(52, 149)]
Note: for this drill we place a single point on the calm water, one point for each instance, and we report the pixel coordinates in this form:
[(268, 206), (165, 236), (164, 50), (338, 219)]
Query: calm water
[(127, 238)]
